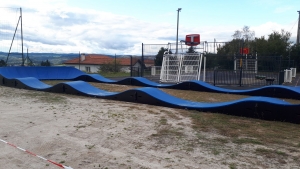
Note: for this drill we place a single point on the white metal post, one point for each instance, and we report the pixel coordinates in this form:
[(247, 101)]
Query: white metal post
[(180, 65), (162, 71), (200, 55)]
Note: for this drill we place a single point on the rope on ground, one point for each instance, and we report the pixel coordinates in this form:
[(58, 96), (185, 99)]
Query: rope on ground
[(57, 164)]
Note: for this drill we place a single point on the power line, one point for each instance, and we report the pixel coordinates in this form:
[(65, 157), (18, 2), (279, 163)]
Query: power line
[(293, 25)]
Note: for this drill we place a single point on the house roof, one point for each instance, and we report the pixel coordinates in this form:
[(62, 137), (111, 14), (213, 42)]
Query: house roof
[(91, 59), (95, 59)]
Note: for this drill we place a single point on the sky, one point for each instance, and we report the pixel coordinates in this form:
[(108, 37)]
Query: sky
[(121, 26)]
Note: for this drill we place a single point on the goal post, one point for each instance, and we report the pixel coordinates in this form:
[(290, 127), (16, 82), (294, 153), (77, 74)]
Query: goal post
[(181, 67)]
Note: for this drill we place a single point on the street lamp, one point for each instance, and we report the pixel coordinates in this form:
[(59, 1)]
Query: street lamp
[(179, 9)]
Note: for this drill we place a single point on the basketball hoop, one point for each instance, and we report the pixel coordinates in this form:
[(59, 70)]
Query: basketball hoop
[(244, 51), (192, 39)]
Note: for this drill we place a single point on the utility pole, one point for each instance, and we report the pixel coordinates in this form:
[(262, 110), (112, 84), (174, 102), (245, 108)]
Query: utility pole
[(23, 60), (79, 58), (179, 9), (298, 30)]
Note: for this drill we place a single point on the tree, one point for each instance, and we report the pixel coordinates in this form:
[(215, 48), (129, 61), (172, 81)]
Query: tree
[(245, 34), (260, 46), (237, 34), (46, 63), (294, 54), (2, 63), (30, 63), (112, 66), (159, 57), (231, 48), (277, 43)]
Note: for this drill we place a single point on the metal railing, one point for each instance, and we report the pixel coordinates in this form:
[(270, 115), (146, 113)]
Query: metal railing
[(241, 77)]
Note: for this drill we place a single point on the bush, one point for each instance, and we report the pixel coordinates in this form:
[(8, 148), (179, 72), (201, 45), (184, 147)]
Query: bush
[(113, 66)]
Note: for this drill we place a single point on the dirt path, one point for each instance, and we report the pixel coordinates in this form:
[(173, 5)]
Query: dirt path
[(87, 133)]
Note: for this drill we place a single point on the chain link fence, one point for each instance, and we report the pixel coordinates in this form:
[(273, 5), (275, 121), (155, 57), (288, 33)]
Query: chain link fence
[(245, 71), (220, 70)]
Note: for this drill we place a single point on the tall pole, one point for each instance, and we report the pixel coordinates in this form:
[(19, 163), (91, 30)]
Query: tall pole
[(142, 66), (22, 37), (27, 58), (79, 60), (115, 62), (179, 9), (298, 30), (214, 45), (131, 66)]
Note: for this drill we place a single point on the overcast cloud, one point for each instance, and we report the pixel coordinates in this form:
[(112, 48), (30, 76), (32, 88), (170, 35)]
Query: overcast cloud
[(51, 26)]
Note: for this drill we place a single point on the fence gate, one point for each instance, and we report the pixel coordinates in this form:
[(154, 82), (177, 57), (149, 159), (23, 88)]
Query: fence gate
[(246, 64)]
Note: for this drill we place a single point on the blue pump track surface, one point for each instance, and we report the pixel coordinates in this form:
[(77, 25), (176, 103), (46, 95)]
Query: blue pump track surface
[(255, 107), (70, 73)]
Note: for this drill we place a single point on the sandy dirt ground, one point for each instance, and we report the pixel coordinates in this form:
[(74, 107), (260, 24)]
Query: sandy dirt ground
[(88, 133)]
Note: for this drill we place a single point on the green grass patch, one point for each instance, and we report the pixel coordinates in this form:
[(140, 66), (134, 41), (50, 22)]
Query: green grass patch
[(168, 131), (115, 74), (215, 151), (163, 121), (242, 130), (221, 140), (270, 153), (246, 141), (263, 151), (90, 146), (46, 97), (232, 166), (280, 153)]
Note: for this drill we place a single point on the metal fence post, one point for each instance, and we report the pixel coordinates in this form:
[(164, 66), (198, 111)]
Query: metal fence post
[(130, 66), (115, 63), (79, 60), (142, 66), (214, 77), (241, 74)]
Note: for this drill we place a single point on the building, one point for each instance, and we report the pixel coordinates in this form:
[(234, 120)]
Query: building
[(91, 63)]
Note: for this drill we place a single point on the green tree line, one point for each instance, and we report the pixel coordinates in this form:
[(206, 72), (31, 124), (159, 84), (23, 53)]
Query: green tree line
[(275, 44)]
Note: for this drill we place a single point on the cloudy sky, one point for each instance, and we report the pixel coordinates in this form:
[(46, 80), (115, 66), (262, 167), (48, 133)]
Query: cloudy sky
[(121, 26)]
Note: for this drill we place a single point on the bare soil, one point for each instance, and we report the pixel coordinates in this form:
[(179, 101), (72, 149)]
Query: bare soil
[(88, 133)]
